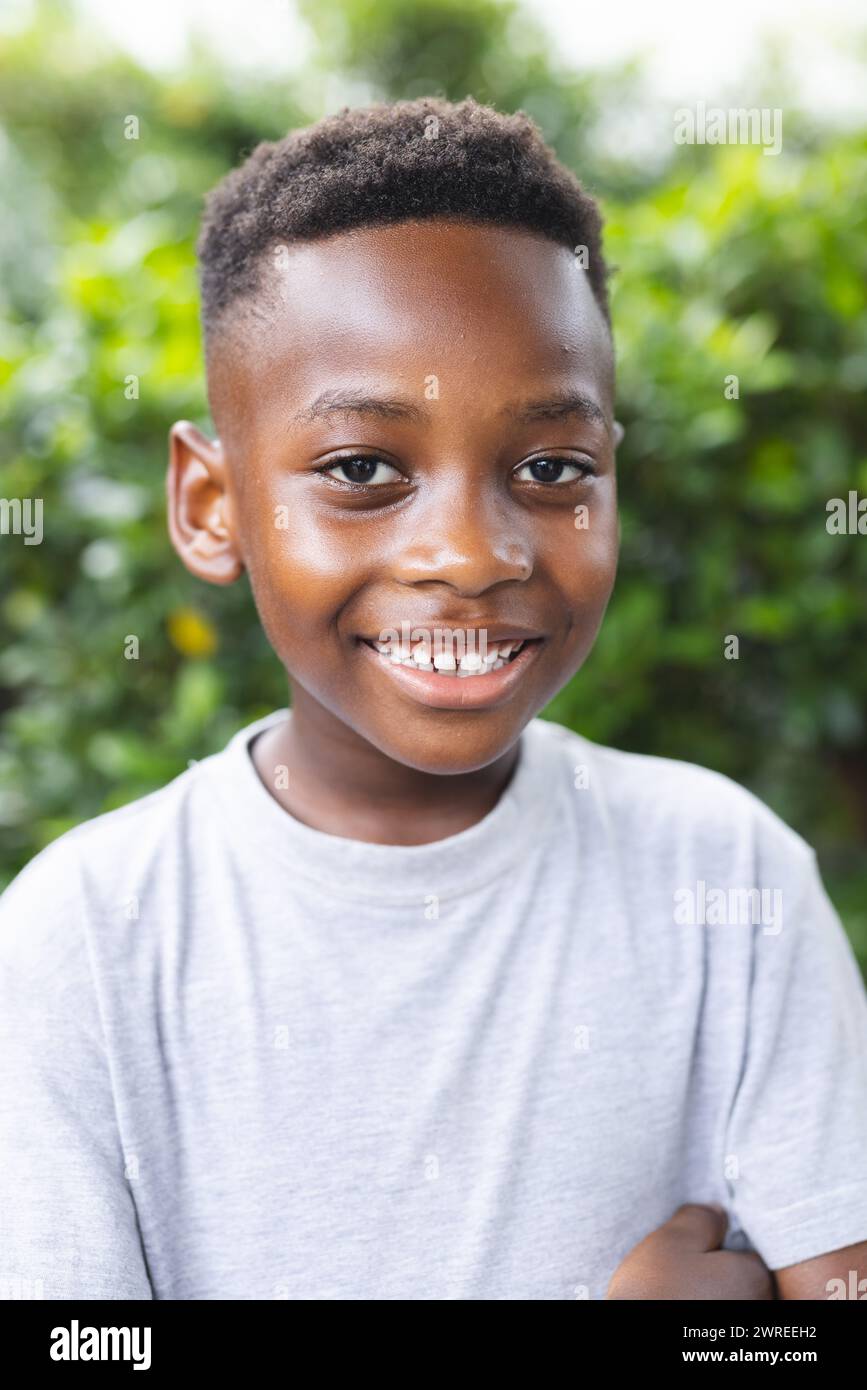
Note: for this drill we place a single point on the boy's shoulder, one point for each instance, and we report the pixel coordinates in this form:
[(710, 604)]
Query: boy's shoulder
[(118, 846), (99, 863), (659, 799)]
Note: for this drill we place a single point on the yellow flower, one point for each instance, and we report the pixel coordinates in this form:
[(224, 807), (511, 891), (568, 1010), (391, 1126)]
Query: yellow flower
[(191, 633)]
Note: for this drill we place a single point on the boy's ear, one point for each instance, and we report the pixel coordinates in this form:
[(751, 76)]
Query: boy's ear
[(619, 432), (200, 519)]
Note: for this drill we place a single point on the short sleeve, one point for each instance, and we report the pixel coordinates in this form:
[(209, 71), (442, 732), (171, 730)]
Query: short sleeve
[(796, 1144), (68, 1226)]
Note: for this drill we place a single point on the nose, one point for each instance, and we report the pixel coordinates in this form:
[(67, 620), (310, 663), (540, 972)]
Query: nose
[(469, 541)]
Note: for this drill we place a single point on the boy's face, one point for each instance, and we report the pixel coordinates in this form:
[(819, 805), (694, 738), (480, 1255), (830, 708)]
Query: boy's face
[(436, 355)]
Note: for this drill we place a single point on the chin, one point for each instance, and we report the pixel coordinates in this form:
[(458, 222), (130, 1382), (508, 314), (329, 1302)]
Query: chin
[(459, 743)]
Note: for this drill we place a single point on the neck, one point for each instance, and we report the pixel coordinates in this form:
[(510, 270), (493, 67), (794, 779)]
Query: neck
[(339, 783)]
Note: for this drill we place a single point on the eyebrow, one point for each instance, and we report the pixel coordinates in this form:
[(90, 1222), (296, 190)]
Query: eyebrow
[(562, 405), (356, 403)]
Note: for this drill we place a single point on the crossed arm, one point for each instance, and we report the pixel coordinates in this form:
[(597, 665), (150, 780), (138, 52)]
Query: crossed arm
[(809, 1279), (684, 1258)]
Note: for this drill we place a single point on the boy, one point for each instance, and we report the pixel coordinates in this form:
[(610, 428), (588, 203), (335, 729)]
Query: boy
[(407, 993)]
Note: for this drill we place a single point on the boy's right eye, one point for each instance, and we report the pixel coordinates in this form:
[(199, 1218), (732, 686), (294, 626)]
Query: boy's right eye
[(362, 471)]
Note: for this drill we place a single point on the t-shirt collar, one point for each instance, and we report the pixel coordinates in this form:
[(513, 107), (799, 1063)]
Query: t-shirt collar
[(493, 846)]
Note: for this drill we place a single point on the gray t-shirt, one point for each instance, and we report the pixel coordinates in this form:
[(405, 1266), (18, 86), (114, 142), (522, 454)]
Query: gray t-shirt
[(240, 1058)]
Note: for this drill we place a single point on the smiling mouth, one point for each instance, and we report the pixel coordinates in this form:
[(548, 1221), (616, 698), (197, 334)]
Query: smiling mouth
[(479, 679), (470, 664)]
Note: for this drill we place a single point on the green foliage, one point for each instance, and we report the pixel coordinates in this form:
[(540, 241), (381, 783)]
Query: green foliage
[(730, 263)]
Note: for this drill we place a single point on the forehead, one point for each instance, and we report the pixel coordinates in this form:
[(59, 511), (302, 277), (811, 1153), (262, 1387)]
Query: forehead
[(488, 310)]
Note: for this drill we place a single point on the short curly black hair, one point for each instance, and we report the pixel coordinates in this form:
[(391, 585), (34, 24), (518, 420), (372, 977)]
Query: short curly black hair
[(386, 163)]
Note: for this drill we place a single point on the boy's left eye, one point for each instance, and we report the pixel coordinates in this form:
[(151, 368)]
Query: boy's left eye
[(365, 471), (552, 470)]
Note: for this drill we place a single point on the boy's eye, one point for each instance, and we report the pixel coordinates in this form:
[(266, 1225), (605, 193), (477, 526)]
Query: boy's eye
[(371, 471), (552, 470)]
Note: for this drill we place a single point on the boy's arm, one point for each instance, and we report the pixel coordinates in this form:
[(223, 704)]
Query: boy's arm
[(797, 1133), (795, 1145), (684, 1259), (68, 1224), (812, 1278)]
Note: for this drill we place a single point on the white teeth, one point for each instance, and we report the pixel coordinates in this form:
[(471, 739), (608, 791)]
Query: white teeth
[(445, 661), (421, 657), (394, 651)]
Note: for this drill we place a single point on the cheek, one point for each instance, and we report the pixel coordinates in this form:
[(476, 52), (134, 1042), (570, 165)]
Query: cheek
[(582, 553), (302, 570)]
